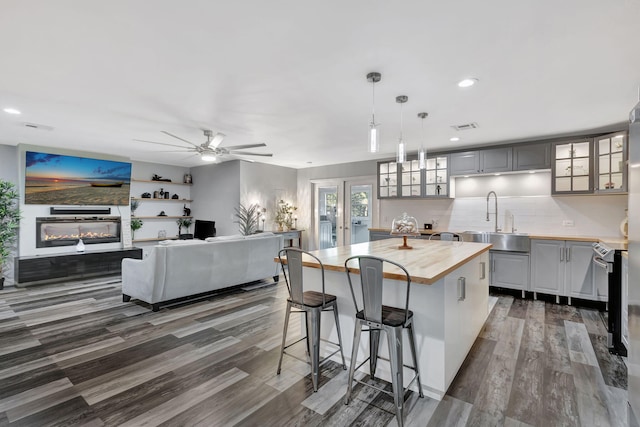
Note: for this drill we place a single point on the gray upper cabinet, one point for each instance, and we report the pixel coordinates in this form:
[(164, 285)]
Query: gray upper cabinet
[(482, 161), (531, 156), (572, 171), (465, 163)]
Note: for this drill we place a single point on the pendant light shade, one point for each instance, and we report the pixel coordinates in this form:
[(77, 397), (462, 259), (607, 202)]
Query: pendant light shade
[(422, 152), (401, 154), (373, 143)]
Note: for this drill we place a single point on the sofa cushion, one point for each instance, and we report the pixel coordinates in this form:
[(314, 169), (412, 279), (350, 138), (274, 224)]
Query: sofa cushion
[(259, 235)]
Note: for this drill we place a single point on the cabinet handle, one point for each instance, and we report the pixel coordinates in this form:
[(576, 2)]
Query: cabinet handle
[(568, 257), (561, 254), (483, 273), (462, 288), (493, 266)]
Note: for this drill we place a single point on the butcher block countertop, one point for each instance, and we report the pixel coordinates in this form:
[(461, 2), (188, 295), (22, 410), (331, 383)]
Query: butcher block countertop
[(427, 262)]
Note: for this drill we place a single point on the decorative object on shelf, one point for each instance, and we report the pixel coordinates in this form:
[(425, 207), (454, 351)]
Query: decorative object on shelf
[(159, 178), (247, 218), (422, 152), (295, 222), (401, 155), (162, 213), (373, 144), (405, 226), (135, 204), (156, 195), (186, 211), (161, 193), (9, 222), (187, 179), (136, 224), (80, 246), (146, 195), (175, 197), (167, 195), (186, 223), (162, 234), (284, 215)]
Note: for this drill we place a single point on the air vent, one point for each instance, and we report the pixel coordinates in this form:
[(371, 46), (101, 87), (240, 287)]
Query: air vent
[(466, 126), (37, 126)]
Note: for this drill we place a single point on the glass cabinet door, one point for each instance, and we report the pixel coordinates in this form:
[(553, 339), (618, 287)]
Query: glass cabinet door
[(611, 163), (437, 177), (572, 167), (411, 179), (388, 179)]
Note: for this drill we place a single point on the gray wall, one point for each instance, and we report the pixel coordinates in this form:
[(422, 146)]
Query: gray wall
[(9, 172), (266, 185), (215, 193)]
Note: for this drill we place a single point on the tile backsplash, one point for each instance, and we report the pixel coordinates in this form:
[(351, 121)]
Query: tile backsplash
[(526, 196)]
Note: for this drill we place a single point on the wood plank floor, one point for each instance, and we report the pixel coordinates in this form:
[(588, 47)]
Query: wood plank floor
[(75, 354)]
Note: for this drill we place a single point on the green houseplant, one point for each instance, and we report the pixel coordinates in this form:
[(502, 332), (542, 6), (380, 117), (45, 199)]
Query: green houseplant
[(136, 224), (9, 223), (186, 223), (248, 219)]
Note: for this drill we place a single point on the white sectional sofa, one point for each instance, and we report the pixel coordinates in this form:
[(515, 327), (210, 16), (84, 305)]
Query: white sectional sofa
[(181, 268)]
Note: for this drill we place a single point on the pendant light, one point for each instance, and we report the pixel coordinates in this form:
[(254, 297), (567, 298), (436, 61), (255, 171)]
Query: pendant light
[(401, 156), (373, 145), (422, 153)]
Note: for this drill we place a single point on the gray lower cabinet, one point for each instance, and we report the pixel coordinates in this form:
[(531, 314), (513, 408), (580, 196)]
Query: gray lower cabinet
[(531, 156), (510, 270), (378, 235), (564, 268), (482, 161)]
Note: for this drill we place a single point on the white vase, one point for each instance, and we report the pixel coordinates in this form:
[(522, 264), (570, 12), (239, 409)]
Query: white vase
[(80, 246)]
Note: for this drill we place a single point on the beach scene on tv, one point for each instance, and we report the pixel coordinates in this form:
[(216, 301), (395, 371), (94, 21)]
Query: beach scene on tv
[(54, 179)]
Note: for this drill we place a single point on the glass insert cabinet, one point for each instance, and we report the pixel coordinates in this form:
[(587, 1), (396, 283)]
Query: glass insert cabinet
[(573, 162), (611, 163), (408, 181)]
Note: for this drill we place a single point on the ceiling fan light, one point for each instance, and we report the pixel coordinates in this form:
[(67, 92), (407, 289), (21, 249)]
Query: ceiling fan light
[(208, 158)]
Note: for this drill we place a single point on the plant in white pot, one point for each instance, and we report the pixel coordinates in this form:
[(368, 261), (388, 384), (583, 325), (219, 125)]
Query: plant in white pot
[(9, 223), (248, 218)]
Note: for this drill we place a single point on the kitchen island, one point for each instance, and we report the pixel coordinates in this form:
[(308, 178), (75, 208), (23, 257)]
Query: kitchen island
[(448, 296)]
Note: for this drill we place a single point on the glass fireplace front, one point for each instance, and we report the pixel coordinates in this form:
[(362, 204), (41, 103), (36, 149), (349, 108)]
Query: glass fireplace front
[(57, 231)]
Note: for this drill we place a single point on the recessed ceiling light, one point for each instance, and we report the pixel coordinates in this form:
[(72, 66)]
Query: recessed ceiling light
[(454, 139), (466, 176), (467, 82), (497, 174), (532, 171), (11, 111)]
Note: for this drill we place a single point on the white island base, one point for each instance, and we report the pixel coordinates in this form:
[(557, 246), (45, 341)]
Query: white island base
[(446, 324)]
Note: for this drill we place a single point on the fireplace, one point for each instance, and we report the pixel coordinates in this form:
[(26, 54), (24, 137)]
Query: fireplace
[(57, 231)]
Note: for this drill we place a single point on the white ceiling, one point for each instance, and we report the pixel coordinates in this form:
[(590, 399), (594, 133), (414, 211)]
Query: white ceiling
[(291, 73)]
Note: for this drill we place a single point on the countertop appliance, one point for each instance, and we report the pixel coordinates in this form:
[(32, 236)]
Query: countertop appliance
[(611, 261)]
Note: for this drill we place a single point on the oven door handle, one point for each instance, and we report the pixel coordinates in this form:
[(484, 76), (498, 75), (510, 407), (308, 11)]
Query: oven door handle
[(602, 263)]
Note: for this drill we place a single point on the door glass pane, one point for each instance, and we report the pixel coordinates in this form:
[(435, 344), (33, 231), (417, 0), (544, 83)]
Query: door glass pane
[(431, 177), (563, 151), (431, 190), (384, 192), (617, 143), (384, 168), (393, 167), (563, 168), (442, 162), (603, 146), (442, 176), (581, 149), (617, 164), (603, 164), (361, 217), (563, 184), (616, 181), (431, 163), (406, 178), (327, 209), (406, 190), (581, 183), (604, 182), (580, 167)]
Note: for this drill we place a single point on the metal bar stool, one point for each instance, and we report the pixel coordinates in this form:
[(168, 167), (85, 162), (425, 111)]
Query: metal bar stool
[(377, 317), (447, 236), (312, 304)]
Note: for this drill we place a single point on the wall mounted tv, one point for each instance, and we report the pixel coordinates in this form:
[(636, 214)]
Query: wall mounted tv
[(54, 179)]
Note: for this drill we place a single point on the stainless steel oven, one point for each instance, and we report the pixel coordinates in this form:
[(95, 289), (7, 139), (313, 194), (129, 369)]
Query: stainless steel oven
[(610, 260)]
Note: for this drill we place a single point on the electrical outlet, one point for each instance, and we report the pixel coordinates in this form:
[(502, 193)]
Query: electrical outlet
[(567, 223)]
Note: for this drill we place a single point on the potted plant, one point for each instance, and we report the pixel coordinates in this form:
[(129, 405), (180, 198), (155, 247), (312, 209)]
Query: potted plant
[(284, 215), (9, 223), (248, 219), (186, 223), (136, 224), (135, 204)]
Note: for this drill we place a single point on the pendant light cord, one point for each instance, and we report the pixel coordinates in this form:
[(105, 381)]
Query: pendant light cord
[(373, 104)]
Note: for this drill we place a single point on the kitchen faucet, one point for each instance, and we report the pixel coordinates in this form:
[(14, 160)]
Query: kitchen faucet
[(495, 209)]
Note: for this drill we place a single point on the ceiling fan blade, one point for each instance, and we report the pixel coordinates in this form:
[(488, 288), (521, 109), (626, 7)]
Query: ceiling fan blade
[(247, 153), (240, 147), (161, 143), (231, 156), (184, 150), (177, 137), (216, 140)]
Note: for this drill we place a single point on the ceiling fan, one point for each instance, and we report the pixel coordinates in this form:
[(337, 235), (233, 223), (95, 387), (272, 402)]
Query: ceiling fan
[(210, 150)]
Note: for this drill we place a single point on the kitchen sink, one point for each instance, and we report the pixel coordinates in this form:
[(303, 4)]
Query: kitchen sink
[(511, 242)]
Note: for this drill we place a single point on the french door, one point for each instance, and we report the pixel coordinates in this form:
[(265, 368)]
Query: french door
[(344, 210)]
